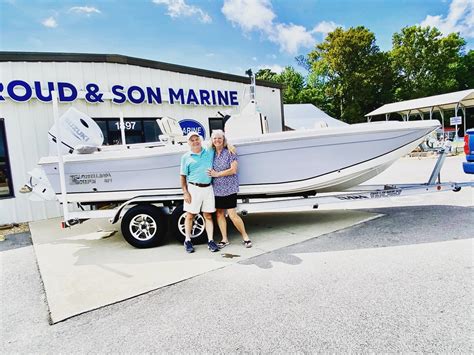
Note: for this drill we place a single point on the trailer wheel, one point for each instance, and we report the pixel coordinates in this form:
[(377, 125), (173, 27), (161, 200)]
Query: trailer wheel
[(198, 232), (144, 226)]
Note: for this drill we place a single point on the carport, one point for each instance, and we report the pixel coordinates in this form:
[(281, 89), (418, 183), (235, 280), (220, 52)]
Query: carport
[(459, 100)]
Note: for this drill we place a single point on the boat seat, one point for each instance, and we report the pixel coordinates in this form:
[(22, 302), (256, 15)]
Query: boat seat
[(171, 128)]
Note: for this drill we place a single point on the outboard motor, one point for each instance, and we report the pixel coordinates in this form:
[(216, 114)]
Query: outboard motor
[(77, 130)]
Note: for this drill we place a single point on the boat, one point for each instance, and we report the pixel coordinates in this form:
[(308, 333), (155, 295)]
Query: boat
[(289, 163)]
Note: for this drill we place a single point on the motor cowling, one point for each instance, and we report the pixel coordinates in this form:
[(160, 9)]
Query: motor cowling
[(77, 129)]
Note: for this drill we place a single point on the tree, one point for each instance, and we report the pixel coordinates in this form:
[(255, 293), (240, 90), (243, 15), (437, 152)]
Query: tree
[(425, 62), (303, 62), (465, 74), (352, 72), (266, 74), (293, 83)]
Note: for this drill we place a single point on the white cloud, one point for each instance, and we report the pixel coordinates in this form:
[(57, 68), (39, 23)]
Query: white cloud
[(210, 55), (273, 67), (292, 37), (178, 8), (87, 10), (250, 14), (460, 19), (254, 59), (324, 27), (258, 15), (50, 22)]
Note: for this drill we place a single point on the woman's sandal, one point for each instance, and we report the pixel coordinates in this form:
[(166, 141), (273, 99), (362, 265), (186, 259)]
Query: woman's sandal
[(221, 245), (247, 243)]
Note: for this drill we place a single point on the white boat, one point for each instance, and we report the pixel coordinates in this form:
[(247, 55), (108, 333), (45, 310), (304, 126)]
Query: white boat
[(287, 163)]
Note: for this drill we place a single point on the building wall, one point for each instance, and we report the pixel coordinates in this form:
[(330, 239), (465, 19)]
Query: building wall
[(28, 123)]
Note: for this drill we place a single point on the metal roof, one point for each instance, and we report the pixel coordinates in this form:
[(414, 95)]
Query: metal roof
[(423, 105), (122, 59)]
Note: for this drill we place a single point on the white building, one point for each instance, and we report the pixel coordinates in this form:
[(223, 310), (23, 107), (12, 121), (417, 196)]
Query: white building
[(105, 86)]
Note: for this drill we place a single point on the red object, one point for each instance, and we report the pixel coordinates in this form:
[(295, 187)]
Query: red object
[(466, 144)]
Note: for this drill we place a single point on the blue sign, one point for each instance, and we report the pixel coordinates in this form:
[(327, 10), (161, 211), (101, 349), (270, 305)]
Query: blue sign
[(22, 91), (189, 125)]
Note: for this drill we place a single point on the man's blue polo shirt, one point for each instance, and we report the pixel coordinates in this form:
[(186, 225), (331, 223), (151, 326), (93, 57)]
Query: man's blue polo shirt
[(194, 166)]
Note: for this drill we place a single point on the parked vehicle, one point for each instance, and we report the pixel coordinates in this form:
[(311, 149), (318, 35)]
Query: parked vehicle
[(468, 165)]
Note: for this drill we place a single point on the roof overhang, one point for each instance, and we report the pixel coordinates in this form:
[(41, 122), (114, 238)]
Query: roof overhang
[(121, 59), (443, 102)]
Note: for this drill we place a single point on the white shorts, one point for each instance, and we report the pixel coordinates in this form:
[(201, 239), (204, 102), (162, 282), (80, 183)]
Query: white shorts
[(202, 200)]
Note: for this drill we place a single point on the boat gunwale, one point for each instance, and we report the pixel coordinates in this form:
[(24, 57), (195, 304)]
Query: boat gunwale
[(242, 142)]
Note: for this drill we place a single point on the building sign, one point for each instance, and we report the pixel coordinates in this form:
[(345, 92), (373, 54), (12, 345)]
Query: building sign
[(455, 120), (189, 125), (21, 91)]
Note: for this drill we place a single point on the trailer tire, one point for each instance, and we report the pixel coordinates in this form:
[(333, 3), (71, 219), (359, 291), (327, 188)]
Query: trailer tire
[(144, 226), (198, 236)]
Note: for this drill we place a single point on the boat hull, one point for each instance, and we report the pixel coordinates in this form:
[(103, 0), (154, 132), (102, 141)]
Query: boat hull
[(286, 163)]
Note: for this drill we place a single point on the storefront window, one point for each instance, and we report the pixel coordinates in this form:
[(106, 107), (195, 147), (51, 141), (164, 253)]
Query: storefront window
[(137, 130), (6, 189)]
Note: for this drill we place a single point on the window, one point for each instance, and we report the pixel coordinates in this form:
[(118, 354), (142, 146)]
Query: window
[(6, 188), (137, 130)]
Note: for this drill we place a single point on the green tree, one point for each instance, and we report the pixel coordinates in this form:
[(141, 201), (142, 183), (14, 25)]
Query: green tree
[(315, 92), (303, 62), (465, 74), (351, 72), (425, 62), (293, 83), (266, 74)]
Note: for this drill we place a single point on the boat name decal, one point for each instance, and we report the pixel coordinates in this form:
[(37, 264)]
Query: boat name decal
[(375, 194), (91, 178), (22, 91), (352, 197), (387, 193)]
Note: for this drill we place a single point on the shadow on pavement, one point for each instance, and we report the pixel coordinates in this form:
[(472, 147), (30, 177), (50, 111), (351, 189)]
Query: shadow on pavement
[(399, 226), (14, 241)]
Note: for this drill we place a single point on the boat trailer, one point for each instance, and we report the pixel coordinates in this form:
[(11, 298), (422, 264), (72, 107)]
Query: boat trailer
[(145, 220)]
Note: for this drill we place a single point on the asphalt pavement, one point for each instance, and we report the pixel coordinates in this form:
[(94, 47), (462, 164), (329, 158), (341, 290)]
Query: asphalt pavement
[(399, 283)]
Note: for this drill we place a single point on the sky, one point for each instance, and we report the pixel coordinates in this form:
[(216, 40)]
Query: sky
[(222, 35)]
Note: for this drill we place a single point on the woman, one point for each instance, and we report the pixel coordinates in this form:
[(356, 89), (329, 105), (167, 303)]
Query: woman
[(226, 185)]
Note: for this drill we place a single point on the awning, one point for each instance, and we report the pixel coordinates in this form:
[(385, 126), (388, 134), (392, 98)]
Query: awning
[(451, 101), (425, 104)]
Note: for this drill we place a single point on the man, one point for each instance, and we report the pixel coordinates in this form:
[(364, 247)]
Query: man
[(197, 189)]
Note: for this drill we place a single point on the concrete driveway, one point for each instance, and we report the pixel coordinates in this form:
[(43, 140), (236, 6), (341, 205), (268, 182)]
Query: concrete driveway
[(84, 269)]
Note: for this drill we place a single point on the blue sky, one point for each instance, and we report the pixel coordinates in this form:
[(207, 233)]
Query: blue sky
[(222, 35)]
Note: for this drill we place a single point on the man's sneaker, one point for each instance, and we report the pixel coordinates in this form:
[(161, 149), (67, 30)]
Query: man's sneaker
[(212, 246), (188, 246)]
